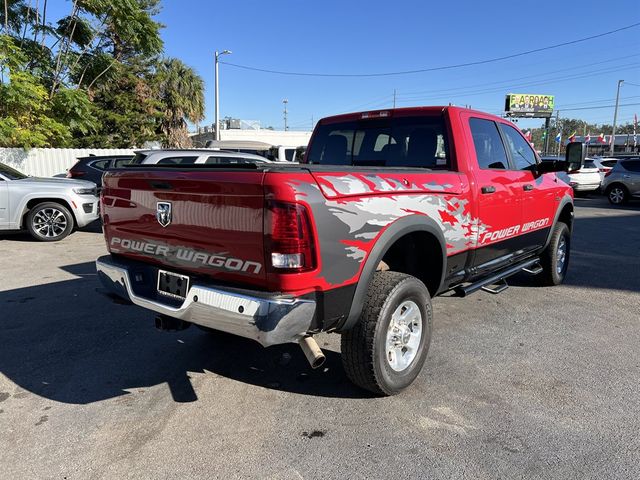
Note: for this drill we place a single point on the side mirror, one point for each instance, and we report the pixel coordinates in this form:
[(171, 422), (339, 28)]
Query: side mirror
[(549, 166), (576, 153)]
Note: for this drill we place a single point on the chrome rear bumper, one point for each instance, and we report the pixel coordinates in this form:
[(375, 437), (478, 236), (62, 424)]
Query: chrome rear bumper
[(268, 320)]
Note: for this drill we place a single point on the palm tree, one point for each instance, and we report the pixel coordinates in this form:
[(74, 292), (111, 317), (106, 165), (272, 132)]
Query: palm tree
[(181, 91)]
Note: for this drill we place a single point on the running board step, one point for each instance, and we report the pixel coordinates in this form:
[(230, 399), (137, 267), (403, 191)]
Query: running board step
[(497, 288), (535, 269), (497, 283)]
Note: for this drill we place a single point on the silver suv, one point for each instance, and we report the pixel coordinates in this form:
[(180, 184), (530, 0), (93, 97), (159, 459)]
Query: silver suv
[(195, 156), (622, 182), (49, 208)]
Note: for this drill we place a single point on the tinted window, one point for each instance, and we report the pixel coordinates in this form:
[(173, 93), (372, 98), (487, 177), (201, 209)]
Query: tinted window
[(228, 160), (177, 160), (522, 154), (101, 164), (589, 164), (121, 162), (392, 142), (631, 165), (609, 163), (488, 144), (289, 154), (138, 158), (10, 173)]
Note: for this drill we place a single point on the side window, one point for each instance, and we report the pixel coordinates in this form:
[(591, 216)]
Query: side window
[(382, 140), (177, 160), (488, 144), (227, 160), (522, 154), (632, 165), (121, 162), (101, 164), (289, 154)]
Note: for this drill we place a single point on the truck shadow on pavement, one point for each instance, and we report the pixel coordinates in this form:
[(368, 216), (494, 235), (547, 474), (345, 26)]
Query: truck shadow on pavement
[(66, 342), (605, 254)]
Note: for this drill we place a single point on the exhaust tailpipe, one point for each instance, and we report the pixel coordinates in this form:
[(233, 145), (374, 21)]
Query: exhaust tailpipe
[(312, 351)]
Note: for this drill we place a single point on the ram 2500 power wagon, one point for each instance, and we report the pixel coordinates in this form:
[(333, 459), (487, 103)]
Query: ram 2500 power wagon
[(388, 209)]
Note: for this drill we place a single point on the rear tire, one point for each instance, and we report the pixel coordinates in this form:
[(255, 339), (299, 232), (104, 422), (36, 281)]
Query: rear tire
[(385, 351), (49, 222), (617, 194), (555, 258)]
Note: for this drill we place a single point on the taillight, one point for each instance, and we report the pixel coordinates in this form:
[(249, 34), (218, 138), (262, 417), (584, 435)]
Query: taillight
[(608, 173), (289, 238), (75, 173)]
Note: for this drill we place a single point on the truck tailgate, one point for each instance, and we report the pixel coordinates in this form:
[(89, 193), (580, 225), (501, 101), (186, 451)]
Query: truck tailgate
[(195, 222)]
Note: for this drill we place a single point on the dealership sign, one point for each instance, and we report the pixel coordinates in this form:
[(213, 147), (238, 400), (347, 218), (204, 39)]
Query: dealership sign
[(528, 105)]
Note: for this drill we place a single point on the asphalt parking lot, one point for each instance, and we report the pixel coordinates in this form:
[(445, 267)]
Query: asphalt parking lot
[(532, 383)]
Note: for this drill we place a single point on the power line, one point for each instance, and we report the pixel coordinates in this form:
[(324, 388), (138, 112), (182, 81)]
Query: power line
[(596, 108), (508, 82), (433, 69), (527, 84)]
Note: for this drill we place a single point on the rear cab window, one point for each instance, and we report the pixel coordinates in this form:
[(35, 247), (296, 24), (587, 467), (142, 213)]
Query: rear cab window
[(413, 141)]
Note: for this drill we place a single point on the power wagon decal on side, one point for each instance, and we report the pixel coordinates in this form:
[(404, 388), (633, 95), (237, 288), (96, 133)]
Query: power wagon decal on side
[(513, 230), (351, 225)]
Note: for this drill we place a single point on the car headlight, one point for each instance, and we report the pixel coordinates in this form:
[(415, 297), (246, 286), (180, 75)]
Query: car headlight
[(85, 191)]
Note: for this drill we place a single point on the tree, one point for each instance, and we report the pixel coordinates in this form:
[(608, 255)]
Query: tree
[(26, 118), (100, 68), (181, 93)]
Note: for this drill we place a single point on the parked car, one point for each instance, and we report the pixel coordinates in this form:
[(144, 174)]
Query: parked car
[(583, 180), (604, 164), (194, 156), (282, 153), (354, 241), (49, 208), (622, 182), (93, 167)]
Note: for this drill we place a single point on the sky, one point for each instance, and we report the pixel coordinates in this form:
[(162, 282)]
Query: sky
[(361, 37)]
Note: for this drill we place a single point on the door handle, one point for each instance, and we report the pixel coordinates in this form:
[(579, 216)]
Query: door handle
[(488, 189), (626, 176), (527, 187)]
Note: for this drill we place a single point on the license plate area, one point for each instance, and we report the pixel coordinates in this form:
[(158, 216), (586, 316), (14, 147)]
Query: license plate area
[(173, 285)]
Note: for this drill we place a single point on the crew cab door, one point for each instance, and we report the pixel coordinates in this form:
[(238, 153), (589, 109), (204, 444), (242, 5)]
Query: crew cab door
[(537, 192), (498, 197), (4, 203)]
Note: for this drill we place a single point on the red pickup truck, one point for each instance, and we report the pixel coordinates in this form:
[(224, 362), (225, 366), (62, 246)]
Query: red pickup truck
[(388, 209)]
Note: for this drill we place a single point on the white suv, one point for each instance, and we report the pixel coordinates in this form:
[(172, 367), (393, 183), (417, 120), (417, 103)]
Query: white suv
[(195, 156)]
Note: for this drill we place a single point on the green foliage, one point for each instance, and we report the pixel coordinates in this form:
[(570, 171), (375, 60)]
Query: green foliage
[(181, 92), (92, 78)]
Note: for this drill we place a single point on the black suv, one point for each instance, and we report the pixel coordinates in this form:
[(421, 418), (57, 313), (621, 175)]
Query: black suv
[(91, 168)]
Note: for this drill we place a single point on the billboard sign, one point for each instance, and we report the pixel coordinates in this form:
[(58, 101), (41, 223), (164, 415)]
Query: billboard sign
[(528, 105)]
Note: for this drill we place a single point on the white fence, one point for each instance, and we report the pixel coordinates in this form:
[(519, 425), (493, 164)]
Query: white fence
[(50, 162)]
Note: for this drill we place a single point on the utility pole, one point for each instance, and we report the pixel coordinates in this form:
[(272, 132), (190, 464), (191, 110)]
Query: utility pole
[(285, 101), (615, 118), (394, 98), (217, 93), (559, 130)]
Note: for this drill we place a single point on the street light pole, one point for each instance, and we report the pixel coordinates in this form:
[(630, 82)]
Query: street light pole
[(615, 118), (285, 101), (217, 93)]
